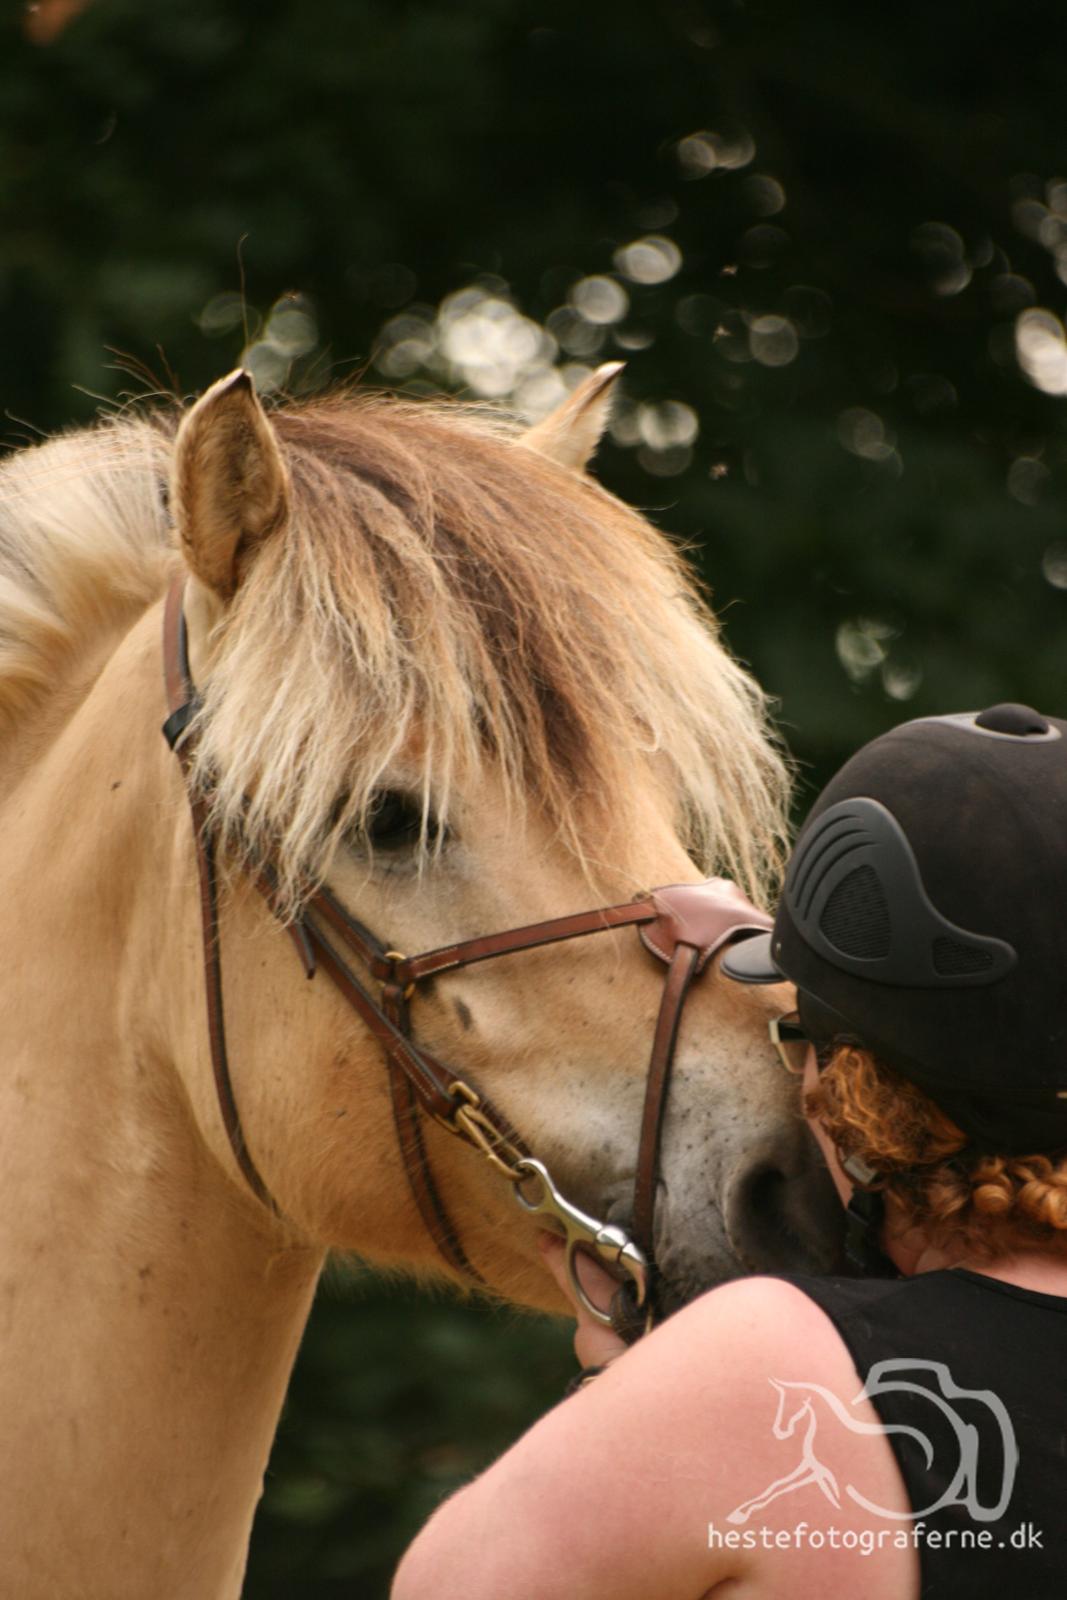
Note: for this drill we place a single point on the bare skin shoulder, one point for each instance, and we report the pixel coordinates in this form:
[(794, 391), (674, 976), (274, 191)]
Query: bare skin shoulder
[(649, 1482)]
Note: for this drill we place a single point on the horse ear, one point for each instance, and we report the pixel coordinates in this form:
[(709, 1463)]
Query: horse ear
[(231, 488), (571, 432)]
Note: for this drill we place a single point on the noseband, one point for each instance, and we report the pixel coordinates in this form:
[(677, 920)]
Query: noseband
[(683, 926)]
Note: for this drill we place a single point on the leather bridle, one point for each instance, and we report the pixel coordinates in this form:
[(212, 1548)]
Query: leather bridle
[(683, 925)]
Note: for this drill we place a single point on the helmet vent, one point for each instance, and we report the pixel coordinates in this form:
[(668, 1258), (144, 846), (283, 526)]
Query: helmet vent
[(953, 959), (854, 896), (855, 918)]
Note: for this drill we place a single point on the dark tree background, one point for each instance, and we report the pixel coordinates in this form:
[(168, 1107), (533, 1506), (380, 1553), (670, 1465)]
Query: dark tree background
[(831, 242)]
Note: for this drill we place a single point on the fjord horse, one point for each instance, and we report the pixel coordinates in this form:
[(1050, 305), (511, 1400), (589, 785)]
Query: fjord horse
[(440, 670)]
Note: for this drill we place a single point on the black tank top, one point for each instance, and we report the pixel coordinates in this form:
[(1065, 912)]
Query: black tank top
[(998, 1450)]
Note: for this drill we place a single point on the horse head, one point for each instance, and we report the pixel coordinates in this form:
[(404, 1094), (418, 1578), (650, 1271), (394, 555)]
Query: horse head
[(442, 670)]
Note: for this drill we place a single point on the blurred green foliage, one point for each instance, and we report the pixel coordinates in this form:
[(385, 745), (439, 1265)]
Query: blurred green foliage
[(397, 1400), (846, 387)]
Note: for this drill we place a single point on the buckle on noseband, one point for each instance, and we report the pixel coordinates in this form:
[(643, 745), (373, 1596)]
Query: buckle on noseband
[(396, 958)]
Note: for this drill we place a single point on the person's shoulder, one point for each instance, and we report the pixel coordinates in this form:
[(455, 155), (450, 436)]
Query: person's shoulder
[(721, 1402), (751, 1320), (617, 1489), (710, 1363)]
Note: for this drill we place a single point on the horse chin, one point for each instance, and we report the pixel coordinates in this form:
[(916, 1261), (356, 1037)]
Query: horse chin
[(676, 1286), (792, 1226)]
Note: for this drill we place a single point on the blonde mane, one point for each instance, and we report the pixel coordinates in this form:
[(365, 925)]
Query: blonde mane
[(441, 598), (84, 544)]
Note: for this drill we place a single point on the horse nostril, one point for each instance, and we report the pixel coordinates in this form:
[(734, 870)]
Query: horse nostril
[(755, 1216), (781, 1220), (766, 1193)]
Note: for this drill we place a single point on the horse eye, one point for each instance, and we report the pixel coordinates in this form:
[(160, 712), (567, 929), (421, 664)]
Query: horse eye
[(395, 821)]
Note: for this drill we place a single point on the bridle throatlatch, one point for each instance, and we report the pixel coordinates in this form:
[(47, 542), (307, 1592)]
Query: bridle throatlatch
[(683, 926)]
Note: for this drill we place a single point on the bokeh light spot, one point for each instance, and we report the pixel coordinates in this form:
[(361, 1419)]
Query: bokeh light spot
[(478, 339), (624, 428), (487, 342), (405, 344), (864, 434), (901, 679), (669, 463), (653, 259), (764, 194), (289, 332), (633, 338), (600, 299), (574, 332), (291, 327), (702, 153), (222, 313), (1054, 565), (944, 257), (1041, 350), (538, 394), (862, 646), (1028, 216), (268, 367), (773, 341), (668, 424)]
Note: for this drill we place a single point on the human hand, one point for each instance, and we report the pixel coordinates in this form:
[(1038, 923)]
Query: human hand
[(594, 1344)]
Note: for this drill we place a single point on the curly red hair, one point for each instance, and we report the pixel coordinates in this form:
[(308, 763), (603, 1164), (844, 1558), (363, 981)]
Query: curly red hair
[(987, 1204)]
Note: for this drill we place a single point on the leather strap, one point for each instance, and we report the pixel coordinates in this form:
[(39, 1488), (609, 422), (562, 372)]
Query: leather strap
[(182, 709), (412, 1146), (359, 939), (680, 974), (414, 968), (216, 1017)]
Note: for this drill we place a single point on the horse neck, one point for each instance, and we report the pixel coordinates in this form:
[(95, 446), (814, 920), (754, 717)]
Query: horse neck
[(148, 1315)]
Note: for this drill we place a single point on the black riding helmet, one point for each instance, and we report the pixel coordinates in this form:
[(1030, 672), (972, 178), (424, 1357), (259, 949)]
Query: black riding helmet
[(925, 914)]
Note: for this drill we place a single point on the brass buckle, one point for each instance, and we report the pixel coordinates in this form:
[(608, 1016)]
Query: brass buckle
[(470, 1122), (396, 957)]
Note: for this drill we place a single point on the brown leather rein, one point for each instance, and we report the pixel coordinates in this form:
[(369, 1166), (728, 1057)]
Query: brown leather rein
[(683, 925)]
